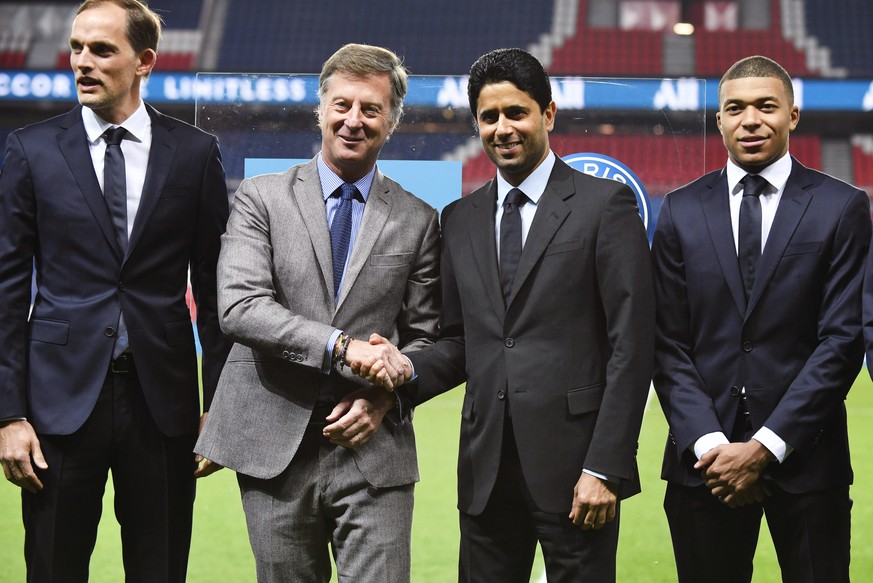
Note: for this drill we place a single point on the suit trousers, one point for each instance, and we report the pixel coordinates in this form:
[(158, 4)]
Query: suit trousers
[(153, 478), (713, 543), (321, 500), (499, 544)]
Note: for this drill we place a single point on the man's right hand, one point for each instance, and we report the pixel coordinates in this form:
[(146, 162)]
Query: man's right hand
[(379, 362), (18, 446)]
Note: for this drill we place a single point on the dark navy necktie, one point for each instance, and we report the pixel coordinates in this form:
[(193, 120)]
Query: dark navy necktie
[(115, 194), (510, 238), (341, 232), (750, 229)]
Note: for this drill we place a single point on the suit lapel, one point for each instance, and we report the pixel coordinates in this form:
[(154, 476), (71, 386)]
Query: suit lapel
[(550, 215), (307, 194), (716, 209), (161, 154), (481, 229), (73, 143), (792, 206), (376, 212)]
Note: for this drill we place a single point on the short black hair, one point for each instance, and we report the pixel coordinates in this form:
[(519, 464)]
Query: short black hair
[(516, 66), (758, 66)]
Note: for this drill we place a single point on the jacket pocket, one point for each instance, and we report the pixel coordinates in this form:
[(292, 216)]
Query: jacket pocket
[(180, 333), (51, 331), (802, 248), (585, 399), (564, 246), (391, 260)]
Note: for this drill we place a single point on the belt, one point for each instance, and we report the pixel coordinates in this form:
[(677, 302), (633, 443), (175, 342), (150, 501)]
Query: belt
[(122, 365)]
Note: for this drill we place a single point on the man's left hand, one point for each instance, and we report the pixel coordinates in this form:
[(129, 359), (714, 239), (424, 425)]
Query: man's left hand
[(357, 416), (204, 467), (594, 502)]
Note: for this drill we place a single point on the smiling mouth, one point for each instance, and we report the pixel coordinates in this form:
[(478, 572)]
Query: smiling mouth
[(752, 142), (507, 146)]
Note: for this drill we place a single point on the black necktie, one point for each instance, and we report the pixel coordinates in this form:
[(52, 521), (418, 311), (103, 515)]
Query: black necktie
[(115, 194), (341, 232), (750, 229), (510, 239)]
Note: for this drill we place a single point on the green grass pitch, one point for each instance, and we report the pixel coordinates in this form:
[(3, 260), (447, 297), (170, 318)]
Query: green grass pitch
[(220, 550)]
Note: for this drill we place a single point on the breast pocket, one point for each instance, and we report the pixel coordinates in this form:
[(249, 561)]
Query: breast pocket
[(803, 248), (391, 260), (564, 247)]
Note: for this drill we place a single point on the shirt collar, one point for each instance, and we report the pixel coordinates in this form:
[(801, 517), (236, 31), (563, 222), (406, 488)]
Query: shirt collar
[(330, 181), (776, 174), (533, 186), (136, 125)]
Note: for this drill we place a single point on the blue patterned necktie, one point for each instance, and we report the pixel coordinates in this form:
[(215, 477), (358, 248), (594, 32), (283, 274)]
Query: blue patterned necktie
[(750, 229), (341, 232), (115, 194)]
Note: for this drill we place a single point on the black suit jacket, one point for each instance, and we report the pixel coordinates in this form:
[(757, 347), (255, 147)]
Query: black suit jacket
[(53, 217), (571, 350), (796, 347)]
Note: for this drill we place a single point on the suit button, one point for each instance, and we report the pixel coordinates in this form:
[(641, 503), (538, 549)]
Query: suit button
[(509, 343), (747, 346), (286, 354), (110, 331), (735, 391), (121, 287), (501, 394)]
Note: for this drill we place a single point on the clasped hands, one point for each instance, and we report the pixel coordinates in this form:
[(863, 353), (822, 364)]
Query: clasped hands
[(379, 362), (733, 472)]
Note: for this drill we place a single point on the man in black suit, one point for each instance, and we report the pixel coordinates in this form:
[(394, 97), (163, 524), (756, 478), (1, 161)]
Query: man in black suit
[(758, 270), (102, 373), (548, 314)]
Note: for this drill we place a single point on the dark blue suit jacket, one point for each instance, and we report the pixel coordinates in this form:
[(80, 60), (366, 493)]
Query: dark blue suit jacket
[(796, 346), (53, 217)]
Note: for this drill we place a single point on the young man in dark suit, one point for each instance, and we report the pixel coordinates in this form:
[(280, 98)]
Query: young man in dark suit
[(758, 269), (114, 205), (548, 314)]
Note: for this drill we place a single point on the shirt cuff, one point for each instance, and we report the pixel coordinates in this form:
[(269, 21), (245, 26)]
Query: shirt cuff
[(328, 352), (604, 477), (708, 442), (777, 446), (409, 362)]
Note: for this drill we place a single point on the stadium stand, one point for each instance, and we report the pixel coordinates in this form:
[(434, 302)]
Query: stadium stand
[(293, 37), (845, 31), (573, 37)]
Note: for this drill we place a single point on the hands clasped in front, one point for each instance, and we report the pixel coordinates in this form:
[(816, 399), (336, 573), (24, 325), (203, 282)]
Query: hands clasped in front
[(733, 472)]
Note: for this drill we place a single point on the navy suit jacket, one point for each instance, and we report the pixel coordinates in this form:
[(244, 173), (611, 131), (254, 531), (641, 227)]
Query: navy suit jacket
[(53, 218), (795, 345), (570, 350)]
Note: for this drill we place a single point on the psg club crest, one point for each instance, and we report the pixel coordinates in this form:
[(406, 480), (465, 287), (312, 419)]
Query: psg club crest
[(603, 166)]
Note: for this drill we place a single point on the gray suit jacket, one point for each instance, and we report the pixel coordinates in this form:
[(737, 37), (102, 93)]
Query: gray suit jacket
[(276, 302)]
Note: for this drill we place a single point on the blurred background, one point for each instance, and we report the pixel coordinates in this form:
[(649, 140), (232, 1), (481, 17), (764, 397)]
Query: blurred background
[(662, 127)]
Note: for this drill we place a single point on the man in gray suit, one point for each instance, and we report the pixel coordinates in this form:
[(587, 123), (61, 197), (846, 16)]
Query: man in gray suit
[(313, 258)]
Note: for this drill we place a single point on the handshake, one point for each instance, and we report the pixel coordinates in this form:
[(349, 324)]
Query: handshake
[(377, 361)]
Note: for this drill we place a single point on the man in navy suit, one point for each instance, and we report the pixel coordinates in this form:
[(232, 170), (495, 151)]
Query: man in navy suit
[(102, 373), (758, 270)]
